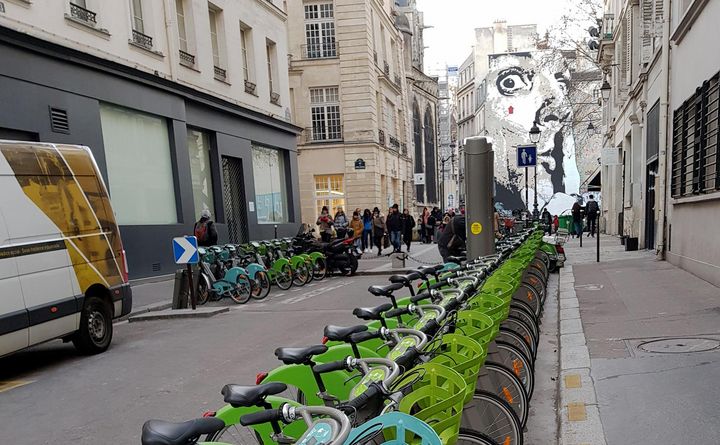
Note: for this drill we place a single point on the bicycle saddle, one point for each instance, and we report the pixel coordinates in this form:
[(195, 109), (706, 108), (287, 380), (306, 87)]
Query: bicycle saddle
[(407, 278), (385, 291), (429, 270), (339, 333), (299, 356), (371, 313), (455, 259), (238, 395), (160, 432)]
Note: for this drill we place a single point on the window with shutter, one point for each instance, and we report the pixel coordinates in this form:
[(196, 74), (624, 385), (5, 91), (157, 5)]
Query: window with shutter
[(628, 47), (658, 23), (648, 30)]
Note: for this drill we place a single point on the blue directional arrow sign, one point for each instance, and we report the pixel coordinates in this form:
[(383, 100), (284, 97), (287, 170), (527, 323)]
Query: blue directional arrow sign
[(526, 156), (185, 250)]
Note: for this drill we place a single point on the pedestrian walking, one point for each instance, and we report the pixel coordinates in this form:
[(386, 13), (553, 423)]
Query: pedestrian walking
[(592, 209), (556, 223), (547, 221), (325, 224), (408, 223), (436, 225), (205, 231), (423, 225), (357, 226), (430, 228), (577, 219), (395, 228), (367, 237), (379, 229)]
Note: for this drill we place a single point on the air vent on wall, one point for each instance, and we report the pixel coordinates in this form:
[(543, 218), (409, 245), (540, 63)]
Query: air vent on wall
[(156, 267), (2, 7), (59, 122)]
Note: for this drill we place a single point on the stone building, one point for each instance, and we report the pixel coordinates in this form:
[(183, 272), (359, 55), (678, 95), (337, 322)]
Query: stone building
[(366, 108), (184, 104)]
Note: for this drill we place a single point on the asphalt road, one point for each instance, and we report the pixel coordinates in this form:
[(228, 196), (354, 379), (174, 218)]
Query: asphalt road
[(170, 369)]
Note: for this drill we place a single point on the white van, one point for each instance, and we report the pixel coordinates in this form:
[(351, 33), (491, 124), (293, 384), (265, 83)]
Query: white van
[(63, 272)]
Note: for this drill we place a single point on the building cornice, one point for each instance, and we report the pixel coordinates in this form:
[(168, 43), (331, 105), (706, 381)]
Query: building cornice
[(69, 55), (279, 13)]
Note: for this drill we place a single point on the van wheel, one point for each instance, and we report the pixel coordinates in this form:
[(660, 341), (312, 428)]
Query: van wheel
[(96, 328)]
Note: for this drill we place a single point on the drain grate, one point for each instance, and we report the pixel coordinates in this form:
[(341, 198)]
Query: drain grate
[(680, 345)]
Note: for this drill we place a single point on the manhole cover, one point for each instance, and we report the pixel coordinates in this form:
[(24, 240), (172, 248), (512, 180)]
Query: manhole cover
[(680, 345)]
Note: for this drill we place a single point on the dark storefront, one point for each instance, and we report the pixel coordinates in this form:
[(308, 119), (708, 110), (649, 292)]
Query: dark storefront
[(165, 151)]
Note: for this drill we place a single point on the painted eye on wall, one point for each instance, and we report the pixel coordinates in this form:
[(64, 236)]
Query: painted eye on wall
[(514, 79)]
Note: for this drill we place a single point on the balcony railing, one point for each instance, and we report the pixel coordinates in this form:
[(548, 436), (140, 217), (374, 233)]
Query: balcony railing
[(325, 50), (187, 58), (80, 13), (220, 73), (403, 148), (249, 87), (394, 142), (321, 133), (141, 39), (386, 69), (381, 137), (274, 98), (397, 81)]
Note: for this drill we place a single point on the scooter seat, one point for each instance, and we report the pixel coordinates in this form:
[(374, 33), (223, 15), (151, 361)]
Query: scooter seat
[(160, 432), (299, 356), (340, 333), (407, 278), (385, 291), (371, 313), (238, 395)]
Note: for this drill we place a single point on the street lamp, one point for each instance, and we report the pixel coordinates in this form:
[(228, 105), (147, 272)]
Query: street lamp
[(535, 138), (605, 90)]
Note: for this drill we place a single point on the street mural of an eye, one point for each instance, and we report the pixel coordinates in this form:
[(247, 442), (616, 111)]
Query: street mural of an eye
[(514, 79)]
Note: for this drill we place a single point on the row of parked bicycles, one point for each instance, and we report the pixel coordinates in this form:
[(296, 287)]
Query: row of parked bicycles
[(449, 361), (244, 271)]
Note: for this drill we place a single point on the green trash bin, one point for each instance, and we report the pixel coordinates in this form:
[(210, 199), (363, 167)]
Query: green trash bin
[(565, 222)]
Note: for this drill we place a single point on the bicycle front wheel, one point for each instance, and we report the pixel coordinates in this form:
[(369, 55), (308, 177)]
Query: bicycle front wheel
[(300, 275), (493, 417), (241, 293), (470, 436), (261, 285), (284, 277), (319, 269)]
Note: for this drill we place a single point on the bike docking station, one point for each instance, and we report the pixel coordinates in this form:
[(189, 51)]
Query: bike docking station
[(185, 250)]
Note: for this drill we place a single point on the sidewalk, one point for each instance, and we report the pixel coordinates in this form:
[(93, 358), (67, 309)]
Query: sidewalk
[(639, 359), (419, 255)]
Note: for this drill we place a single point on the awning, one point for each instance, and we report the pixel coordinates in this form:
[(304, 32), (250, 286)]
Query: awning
[(594, 184)]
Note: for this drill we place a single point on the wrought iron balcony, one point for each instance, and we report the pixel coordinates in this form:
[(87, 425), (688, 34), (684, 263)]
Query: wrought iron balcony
[(325, 50), (397, 81), (80, 13), (249, 87), (141, 39), (323, 133), (187, 58), (381, 137), (386, 69), (403, 148), (274, 98), (220, 73), (394, 142)]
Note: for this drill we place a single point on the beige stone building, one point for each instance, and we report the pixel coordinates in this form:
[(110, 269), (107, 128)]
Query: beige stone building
[(358, 92)]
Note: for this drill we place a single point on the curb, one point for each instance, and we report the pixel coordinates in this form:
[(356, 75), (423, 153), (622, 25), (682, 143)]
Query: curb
[(370, 273), (177, 314), (144, 309), (579, 413)]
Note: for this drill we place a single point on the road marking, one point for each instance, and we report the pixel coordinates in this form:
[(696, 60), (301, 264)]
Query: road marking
[(573, 381), (576, 412), (12, 384), (315, 292)]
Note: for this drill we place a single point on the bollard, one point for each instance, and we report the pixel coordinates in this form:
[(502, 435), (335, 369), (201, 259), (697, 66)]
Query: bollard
[(479, 210), (180, 300), (398, 260)]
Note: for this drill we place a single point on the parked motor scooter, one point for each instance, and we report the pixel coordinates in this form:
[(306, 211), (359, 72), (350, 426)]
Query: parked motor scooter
[(340, 253)]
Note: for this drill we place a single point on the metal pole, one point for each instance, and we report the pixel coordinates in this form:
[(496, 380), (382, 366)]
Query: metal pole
[(193, 295), (479, 211), (597, 227), (536, 214), (527, 187)]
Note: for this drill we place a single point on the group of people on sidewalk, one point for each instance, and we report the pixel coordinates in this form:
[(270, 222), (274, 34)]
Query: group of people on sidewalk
[(370, 228)]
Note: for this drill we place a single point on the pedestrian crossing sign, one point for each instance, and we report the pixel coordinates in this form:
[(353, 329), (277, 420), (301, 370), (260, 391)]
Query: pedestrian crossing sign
[(526, 156)]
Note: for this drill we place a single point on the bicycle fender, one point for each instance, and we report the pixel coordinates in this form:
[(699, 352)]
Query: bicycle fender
[(280, 263), (314, 256), (296, 261), (254, 268)]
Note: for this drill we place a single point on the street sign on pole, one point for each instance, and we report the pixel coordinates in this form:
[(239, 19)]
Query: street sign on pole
[(526, 156), (185, 251)]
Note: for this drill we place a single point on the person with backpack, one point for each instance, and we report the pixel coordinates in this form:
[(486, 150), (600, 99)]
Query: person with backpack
[(592, 208), (452, 240), (205, 231)]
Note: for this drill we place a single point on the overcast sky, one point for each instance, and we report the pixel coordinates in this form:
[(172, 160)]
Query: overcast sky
[(453, 21)]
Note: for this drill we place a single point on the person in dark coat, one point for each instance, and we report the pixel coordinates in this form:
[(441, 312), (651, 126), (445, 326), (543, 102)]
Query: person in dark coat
[(577, 217), (408, 223), (452, 240), (395, 228), (205, 231)]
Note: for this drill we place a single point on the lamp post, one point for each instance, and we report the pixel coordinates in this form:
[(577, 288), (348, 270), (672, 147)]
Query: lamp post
[(534, 138), (442, 162)]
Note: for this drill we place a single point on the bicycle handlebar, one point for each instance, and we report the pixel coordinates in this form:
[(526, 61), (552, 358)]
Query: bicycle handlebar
[(260, 417)]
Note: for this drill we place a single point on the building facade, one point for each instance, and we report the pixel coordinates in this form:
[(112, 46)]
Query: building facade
[(358, 93), (659, 164), (184, 104)]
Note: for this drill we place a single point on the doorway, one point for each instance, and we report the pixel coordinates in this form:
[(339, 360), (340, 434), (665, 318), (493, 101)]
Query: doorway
[(650, 178), (234, 202)]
